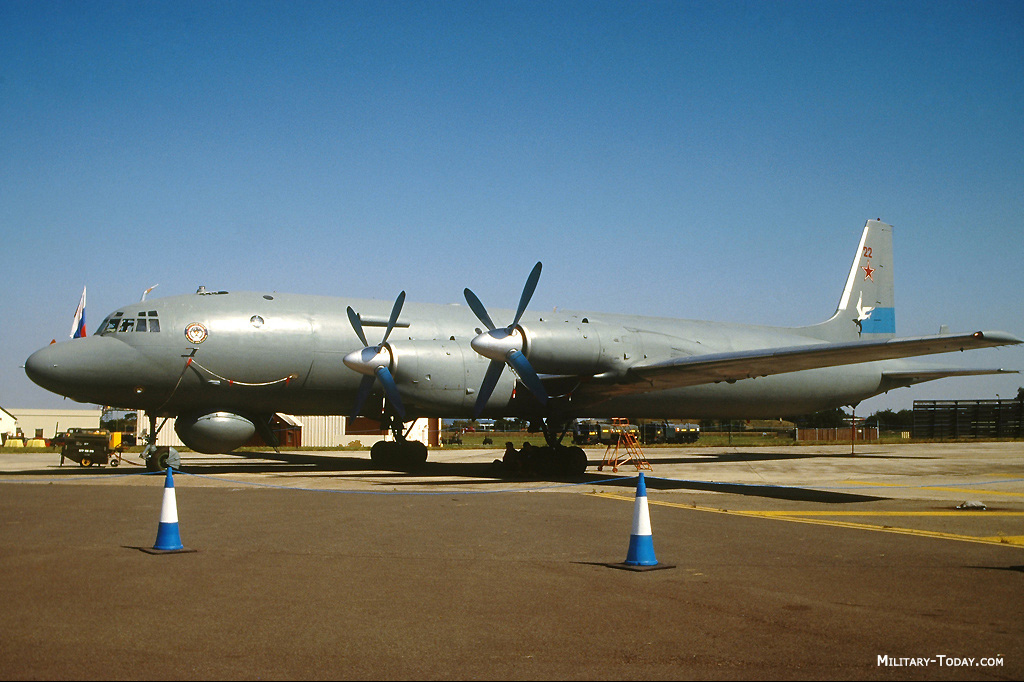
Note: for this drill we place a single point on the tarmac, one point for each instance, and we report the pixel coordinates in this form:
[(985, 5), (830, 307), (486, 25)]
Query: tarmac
[(788, 562)]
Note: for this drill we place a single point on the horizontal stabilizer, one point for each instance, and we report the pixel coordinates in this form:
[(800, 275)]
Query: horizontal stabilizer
[(902, 379), (737, 365)]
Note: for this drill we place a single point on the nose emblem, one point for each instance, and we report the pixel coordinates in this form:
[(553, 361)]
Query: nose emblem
[(195, 333)]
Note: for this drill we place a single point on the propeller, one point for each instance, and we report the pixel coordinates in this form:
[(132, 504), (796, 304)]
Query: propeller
[(504, 345), (374, 362)]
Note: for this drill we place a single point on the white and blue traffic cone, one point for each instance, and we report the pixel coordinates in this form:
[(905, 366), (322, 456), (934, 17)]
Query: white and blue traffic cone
[(640, 556), (168, 539), (641, 542)]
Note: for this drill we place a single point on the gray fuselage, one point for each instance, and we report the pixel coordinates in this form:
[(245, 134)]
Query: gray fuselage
[(263, 353)]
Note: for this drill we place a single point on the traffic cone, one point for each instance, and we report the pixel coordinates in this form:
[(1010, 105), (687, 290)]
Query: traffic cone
[(640, 556), (641, 542), (168, 539)]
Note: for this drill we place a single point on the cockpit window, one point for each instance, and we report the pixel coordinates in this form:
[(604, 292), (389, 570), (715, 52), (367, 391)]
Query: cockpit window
[(146, 321), (110, 324)]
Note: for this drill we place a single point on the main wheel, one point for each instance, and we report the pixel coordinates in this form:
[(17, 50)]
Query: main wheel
[(379, 452), (577, 461), (414, 454), (401, 455)]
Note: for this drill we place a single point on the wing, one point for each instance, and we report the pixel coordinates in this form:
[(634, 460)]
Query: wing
[(747, 364)]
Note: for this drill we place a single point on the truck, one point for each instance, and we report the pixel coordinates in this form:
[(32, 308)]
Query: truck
[(594, 432), (684, 433), (668, 432)]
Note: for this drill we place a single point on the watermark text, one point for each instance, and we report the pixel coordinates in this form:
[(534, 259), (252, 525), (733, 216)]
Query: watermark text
[(939, 661)]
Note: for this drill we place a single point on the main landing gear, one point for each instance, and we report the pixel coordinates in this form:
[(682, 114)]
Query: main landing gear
[(552, 459), (401, 454)]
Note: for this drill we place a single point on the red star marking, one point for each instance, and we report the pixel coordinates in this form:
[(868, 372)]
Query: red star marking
[(867, 272)]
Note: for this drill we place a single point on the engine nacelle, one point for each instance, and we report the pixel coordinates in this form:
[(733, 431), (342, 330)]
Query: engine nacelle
[(214, 433), (569, 347), (441, 377)]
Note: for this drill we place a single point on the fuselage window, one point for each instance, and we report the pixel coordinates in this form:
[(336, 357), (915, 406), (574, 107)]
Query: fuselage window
[(127, 325), (154, 324), (140, 326)]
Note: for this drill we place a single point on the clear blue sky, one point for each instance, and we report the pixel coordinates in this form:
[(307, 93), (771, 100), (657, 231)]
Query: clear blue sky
[(709, 160)]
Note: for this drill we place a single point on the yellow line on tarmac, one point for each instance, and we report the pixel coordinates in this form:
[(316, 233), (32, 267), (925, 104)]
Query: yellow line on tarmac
[(807, 517), (951, 512), (972, 491), (1008, 540)]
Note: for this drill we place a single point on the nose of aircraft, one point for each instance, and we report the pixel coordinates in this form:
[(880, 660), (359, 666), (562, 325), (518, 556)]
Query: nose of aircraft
[(80, 367)]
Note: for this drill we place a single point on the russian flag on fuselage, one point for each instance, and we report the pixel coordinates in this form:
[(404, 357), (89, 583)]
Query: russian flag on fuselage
[(78, 325)]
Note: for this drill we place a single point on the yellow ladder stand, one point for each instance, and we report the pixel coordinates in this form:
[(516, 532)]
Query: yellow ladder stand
[(631, 451)]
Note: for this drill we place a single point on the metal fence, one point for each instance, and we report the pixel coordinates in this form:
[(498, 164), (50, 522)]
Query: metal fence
[(968, 419)]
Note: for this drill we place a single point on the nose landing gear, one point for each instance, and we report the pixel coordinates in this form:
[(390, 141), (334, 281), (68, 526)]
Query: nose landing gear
[(158, 458)]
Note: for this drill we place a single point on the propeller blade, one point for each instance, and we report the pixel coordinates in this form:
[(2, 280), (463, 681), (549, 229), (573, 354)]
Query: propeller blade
[(364, 390), (391, 389), (503, 346), (357, 324), (364, 361), (487, 388), (395, 312), (478, 309), (524, 370), (524, 300)]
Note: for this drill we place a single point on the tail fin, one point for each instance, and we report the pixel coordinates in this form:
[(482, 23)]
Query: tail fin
[(867, 308)]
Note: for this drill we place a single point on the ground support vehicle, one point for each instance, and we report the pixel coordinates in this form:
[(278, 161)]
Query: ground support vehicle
[(592, 432), (88, 447), (667, 432), (451, 438)]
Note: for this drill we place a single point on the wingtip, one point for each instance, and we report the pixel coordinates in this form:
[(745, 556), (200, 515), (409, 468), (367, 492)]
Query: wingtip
[(998, 338)]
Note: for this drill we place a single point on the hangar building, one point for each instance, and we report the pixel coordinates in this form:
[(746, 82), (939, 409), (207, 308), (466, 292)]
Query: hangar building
[(8, 423), (39, 423)]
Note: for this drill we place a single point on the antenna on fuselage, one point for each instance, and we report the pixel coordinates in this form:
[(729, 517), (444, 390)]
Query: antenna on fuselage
[(146, 292)]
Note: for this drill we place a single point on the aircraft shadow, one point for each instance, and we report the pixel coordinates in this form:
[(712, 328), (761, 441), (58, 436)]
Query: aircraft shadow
[(767, 457), (616, 480), (470, 473), (225, 464), (751, 490), (1014, 569)]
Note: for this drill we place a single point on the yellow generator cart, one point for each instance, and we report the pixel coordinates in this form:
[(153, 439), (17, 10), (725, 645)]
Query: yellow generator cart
[(88, 447)]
